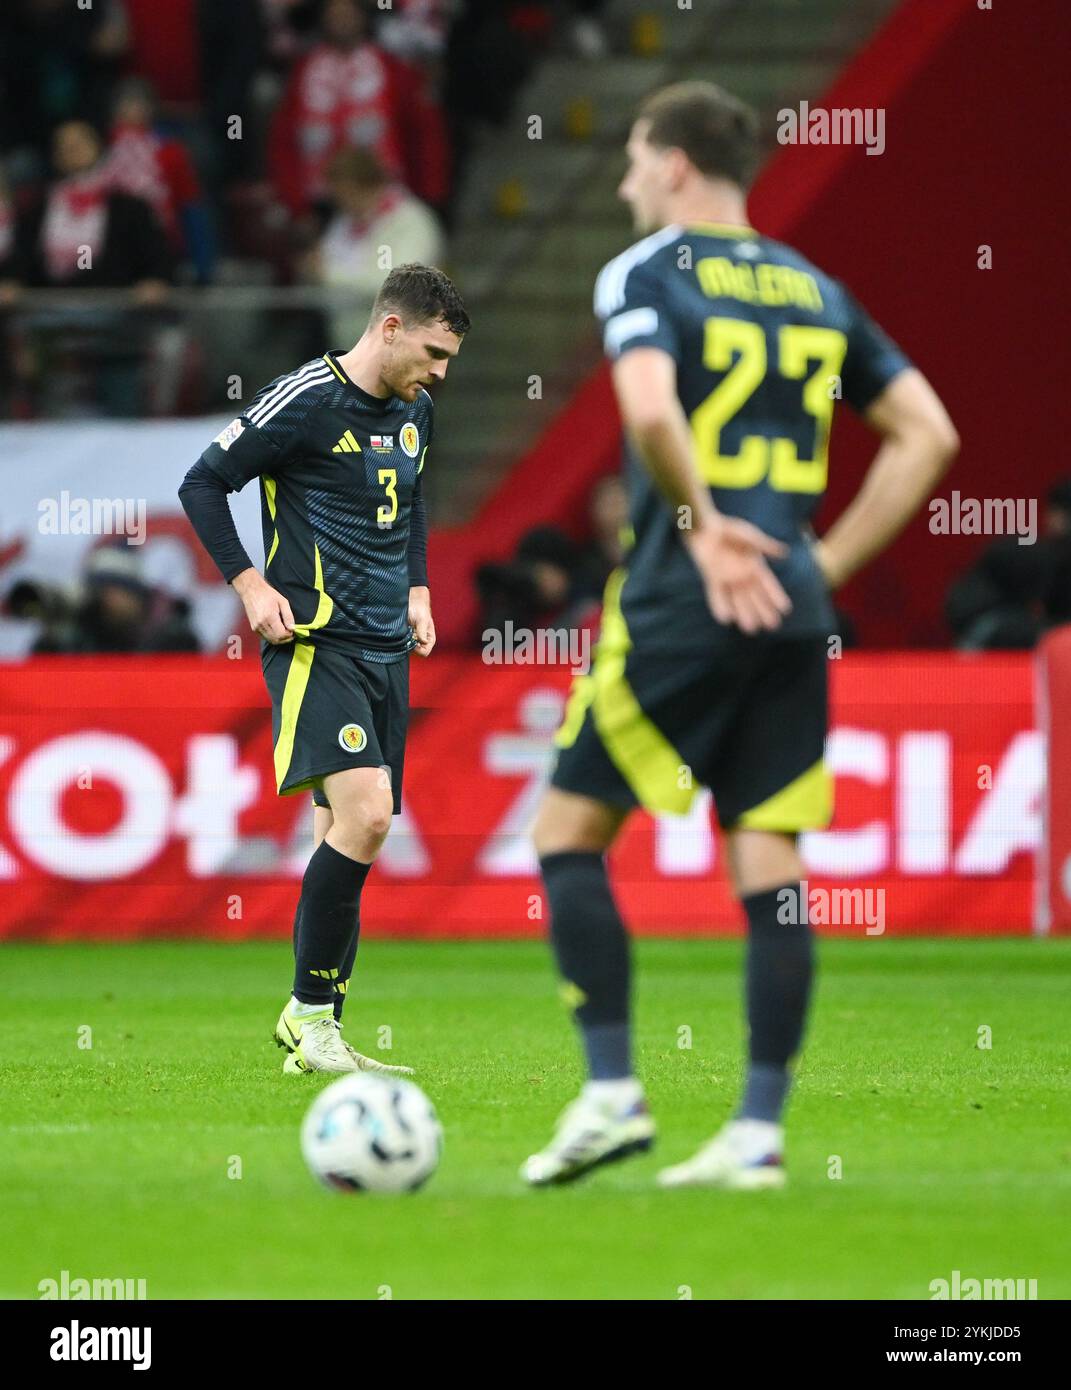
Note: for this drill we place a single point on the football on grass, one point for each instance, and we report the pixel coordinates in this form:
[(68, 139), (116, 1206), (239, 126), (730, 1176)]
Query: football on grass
[(372, 1134)]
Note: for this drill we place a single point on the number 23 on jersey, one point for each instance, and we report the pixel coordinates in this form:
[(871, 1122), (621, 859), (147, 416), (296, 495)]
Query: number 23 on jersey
[(810, 354)]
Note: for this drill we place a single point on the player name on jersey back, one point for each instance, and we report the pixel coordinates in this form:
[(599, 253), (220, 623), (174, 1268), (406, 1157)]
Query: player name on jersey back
[(764, 344)]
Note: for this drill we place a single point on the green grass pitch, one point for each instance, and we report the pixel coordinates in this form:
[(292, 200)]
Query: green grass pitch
[(117, 1158)]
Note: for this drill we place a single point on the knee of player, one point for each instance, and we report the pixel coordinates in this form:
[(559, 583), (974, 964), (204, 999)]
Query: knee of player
[(565, 822), (378, 822), (362, 827), (374, 819), (545, 835)]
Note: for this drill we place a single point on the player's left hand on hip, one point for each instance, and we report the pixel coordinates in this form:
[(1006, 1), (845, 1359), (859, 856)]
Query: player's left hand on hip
[(421, 621), (741, 589)]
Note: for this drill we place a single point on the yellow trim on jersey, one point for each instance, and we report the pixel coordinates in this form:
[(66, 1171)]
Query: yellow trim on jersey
[(297, 680), (269, 497), (423, 456), (639, 750), (805, 804), (335, 369), (324, 608), (727, 229)]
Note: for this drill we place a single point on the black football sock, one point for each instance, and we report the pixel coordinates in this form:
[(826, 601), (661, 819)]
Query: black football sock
[(328, 912), (780, 970), (345, 971), (592, 950)]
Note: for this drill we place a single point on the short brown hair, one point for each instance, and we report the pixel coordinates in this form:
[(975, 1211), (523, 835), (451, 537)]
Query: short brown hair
[(421, 294), (718, 132)]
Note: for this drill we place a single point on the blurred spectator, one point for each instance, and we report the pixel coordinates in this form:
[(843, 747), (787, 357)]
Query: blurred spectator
[(286, 24), (608, 510), (85, 235), (8, 295), (374, 216), (1057, 520), (157, 169), (416, 30), (57, 62), (7, 235), (163, 49), (1014, 592), (201, 57), (1057, 529), (116, 611), (347, 91), (546, 584), (80, 211)]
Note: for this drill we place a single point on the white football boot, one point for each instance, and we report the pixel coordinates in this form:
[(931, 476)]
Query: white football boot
[(590, 1134), (744, 1156), (315, 1043)]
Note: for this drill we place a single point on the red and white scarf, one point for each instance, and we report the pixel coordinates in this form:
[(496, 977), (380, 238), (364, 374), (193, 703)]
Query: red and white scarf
[(344, 98), (134, 166), (75, 216)]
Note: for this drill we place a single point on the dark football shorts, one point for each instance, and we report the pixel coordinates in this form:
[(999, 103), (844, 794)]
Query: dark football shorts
[(332, 711), (746, 718)]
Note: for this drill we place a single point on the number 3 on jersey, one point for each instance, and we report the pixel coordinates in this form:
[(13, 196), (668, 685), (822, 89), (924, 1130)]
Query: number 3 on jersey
[(388, 478), (760, 456)]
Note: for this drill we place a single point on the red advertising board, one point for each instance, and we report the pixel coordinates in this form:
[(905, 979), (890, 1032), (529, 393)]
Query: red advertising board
[(136, 799), (1053, 673)]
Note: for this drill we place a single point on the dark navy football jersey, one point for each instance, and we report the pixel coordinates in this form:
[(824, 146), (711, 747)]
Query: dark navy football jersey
[(764, 344), (339, 473)]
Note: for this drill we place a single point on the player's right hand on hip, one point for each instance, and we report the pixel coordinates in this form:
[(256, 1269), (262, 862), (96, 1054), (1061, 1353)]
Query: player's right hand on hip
[(741, 589), (268, 611)]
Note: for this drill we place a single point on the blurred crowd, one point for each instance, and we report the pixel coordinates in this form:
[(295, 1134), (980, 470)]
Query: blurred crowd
[(552, 580), (121, 602), (224, 121), (234, 143)]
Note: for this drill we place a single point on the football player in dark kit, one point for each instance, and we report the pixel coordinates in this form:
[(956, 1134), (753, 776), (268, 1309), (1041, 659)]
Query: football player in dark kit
[(339, 446), (729, 351)]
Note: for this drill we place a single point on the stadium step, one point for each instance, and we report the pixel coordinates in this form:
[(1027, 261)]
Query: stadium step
[(539, 213)]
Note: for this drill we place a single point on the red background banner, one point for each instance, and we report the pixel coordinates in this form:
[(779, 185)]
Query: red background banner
[(905, 230), (136, 799), (1053, 908)]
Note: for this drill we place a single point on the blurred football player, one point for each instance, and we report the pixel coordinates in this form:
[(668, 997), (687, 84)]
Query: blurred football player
[(729, 351)]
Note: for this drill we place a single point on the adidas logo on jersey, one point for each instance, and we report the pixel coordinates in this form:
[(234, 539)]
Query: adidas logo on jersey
[(347, 445)]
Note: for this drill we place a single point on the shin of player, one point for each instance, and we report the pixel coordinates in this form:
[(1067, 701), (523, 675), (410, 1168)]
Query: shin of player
[(349, 833)]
